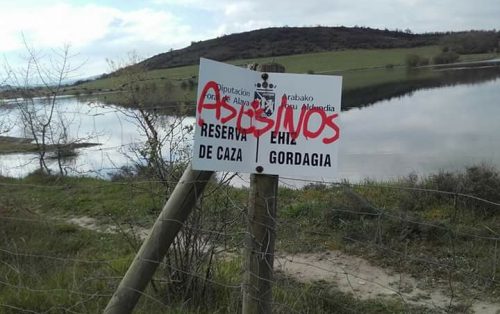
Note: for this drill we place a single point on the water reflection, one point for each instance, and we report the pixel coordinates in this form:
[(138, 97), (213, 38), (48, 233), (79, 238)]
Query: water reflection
[(417, 80), (425, 131), (113, 127), (446, 128)]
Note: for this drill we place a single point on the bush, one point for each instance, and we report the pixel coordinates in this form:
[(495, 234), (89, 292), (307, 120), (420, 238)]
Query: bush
[(480, 181), (471, 42), (413, 60), (446, 57), (483, 181), (184, 85), (424, 61)]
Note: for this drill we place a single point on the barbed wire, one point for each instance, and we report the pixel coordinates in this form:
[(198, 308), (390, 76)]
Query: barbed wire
[(236, 287), (394, 187), (18, 308), (333, 183), (222, 241)]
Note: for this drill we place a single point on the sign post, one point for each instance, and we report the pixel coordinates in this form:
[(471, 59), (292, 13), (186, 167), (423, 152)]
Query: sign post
[(267, 124), (261, 233), (259, 244)]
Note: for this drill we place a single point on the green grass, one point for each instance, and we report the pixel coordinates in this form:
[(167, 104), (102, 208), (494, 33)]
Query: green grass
[(359, 68), (14, 145), (363, 78), (430, 235), (337, 61), (50, 266), (416, 232), (328, 62), (110, 202), (323, 297), (73, 270)]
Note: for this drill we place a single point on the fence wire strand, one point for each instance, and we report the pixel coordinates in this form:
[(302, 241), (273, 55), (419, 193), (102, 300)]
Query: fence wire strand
[(76, 237)]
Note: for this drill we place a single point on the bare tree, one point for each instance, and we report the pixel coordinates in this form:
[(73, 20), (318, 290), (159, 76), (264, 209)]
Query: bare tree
[(165, 150), (5, 123), (161, 158), (37, 87)]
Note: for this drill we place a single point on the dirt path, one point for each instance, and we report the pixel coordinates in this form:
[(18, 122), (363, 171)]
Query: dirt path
[(351, 274), (365, 281), (90, 223)]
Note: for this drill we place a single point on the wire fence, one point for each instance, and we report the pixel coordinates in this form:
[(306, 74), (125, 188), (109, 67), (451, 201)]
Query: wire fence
[(350, 248), (411, 246)]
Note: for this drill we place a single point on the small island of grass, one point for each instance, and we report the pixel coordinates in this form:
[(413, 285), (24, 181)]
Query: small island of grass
[(17, 145)]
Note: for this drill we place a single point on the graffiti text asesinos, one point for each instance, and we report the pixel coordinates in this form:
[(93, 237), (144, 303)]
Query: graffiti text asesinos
[(252, 120)]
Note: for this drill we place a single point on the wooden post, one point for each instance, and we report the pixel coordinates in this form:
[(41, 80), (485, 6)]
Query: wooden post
[(260, 237), (154, 248), (259, 244)]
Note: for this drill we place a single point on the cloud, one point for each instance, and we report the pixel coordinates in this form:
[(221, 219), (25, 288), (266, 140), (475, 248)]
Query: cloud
[(52, 26), (92, 30), (419, 15), (100, 31), (82, 25)]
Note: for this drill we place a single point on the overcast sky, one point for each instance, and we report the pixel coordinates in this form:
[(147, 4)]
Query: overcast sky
[(97, 30)]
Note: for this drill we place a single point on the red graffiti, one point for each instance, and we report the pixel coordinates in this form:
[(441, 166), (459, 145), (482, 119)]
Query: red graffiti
[(218, 105), (247, 116)]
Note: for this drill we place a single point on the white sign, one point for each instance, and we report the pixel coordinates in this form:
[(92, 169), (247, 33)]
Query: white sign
[(279, 123)]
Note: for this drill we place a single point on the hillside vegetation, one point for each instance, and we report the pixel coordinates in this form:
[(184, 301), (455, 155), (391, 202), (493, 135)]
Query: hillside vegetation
[(361, 69), (281, 41), (364, 57)]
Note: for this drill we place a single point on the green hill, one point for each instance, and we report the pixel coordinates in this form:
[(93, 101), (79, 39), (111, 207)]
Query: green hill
[(280, 41)]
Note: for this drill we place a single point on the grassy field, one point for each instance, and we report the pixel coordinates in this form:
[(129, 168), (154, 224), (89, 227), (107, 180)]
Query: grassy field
[(49, 264), (359, 68), (60, 268), (334, 61)]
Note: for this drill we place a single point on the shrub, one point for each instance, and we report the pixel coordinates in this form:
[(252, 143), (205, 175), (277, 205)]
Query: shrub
[(483, 181), (424, 61), (184, 85), (446, 57), (480, 181), (412, 60), (471, 42)]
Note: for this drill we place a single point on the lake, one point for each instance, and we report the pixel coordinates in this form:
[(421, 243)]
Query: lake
[(115, 128), (445, 128)]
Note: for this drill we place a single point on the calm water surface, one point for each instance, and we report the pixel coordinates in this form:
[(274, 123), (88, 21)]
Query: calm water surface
[(113, 127), (445, 128), (437, 129)]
